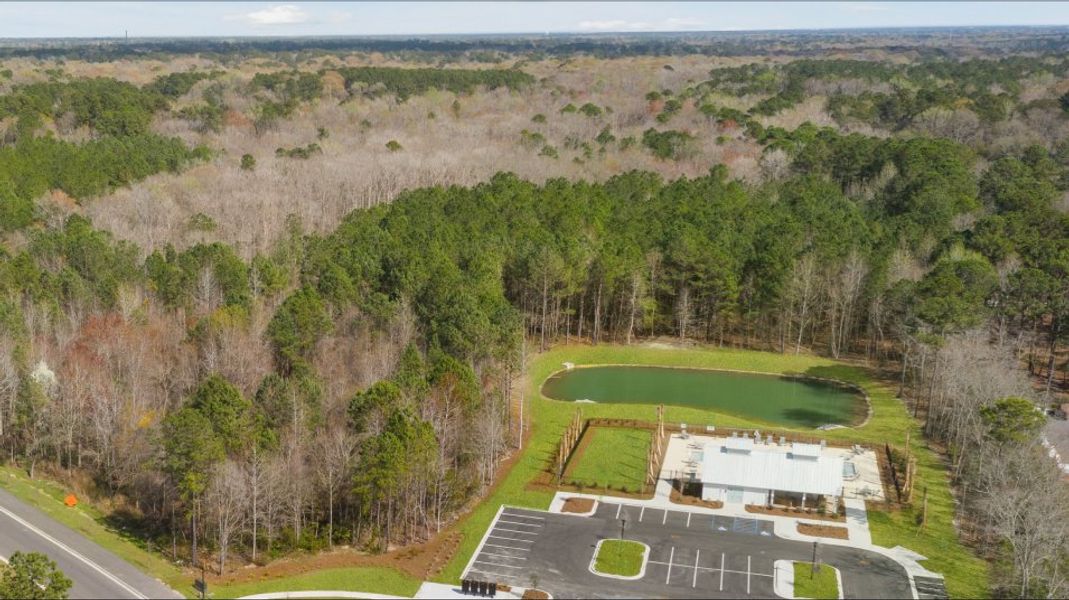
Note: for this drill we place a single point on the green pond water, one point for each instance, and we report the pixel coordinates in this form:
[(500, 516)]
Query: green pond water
[(780, 400)]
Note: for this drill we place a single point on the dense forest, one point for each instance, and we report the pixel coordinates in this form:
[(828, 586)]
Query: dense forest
[(351, 381)]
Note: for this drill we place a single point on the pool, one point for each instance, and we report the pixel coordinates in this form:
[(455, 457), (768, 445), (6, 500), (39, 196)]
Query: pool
[(790, 401)]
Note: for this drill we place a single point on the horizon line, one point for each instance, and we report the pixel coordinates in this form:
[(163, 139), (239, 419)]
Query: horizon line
[(535, 33)]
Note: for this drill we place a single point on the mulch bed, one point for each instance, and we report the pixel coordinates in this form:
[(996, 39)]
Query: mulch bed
[(694, 501), (794, 512), (828, 531), (578, 505), (534, 595)]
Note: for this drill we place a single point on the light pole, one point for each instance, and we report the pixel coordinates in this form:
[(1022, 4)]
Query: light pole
[(813, 569)]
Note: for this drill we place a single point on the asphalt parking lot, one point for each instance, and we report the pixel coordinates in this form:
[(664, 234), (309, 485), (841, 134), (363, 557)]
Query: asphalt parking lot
[(691, 555)]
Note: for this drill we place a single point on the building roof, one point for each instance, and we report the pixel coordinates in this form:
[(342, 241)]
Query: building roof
[(806, 450), (771, 470), (743, 444)]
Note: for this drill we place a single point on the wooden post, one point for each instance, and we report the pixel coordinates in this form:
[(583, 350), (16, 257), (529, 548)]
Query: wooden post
[(924, 510)]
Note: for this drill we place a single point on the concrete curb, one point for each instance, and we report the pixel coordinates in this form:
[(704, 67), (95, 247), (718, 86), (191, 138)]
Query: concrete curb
[(641, 571)]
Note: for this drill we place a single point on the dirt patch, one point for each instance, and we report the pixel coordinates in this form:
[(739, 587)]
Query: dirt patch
[(678, 498), (578, 505), (828, 531), (420, 562), (535, 595), (807, 513)]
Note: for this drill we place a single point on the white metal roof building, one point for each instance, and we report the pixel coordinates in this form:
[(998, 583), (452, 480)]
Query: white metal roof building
[(738, 470)]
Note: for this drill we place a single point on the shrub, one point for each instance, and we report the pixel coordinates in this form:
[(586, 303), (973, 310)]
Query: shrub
[(549, 151), (669, 144), (568, 108), (248, 162), (590, 110), (393, 146), (539, 118)]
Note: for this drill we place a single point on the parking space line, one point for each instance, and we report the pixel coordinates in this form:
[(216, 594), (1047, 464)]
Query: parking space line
[(523, 516), (516, 531), (486, 562), (519, 523), (508, 556), (500, 537), (509, 547), (640, 513), (491, 574), (664, 519), (714, 569), (748, 575), (618, 507), (671, 555), (688, 518), (696, 557), (722, 571)]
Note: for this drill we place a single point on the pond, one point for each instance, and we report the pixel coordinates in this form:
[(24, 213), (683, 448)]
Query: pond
[(790, 401)]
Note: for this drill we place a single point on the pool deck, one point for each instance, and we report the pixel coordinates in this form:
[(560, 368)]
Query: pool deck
[(682, 458)]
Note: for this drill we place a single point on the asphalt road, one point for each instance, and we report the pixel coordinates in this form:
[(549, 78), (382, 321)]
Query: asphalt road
[(691, 556), (95, 572)]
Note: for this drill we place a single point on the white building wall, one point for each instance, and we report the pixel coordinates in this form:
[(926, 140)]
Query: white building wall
[(712, 492), (749, 495), (754, 496)]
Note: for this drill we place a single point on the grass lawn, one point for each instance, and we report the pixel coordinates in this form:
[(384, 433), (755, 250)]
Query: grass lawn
[(375, 580), (48, 496), (822, 585), (619, 557), (966, 575), (612, 457)]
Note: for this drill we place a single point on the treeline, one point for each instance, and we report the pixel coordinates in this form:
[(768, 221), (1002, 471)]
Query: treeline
[(889, 95), (927, 42)]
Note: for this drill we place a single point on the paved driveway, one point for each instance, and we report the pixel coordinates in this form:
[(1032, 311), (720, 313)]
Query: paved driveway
[(691, 556)]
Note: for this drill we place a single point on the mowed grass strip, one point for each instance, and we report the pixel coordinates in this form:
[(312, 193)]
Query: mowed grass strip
[(619, 557), (612, 457), (372, 580), (966, 574), (822, 585), (47, 497)]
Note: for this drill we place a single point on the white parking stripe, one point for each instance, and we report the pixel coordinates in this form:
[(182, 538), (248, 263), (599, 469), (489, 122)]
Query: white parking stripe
[(722, 571), (665, 518), (688, 518), (519, 523), (490, 574), (695, 582), (501, 537), (522, 516), (486, 562), (618, 507), (714, 569), (747, 575), (640, 513), (505, 556), (670, 557), (509, 547), (516, 531)]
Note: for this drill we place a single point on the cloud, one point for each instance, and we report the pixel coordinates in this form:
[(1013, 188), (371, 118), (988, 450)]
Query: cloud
[(669, 24), (283, 14)]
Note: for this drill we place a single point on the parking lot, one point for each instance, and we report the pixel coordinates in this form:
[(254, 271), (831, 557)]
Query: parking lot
[(691, 555)]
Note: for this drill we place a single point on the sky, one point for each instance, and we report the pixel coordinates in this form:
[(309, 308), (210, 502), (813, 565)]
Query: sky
[(153, 19)]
